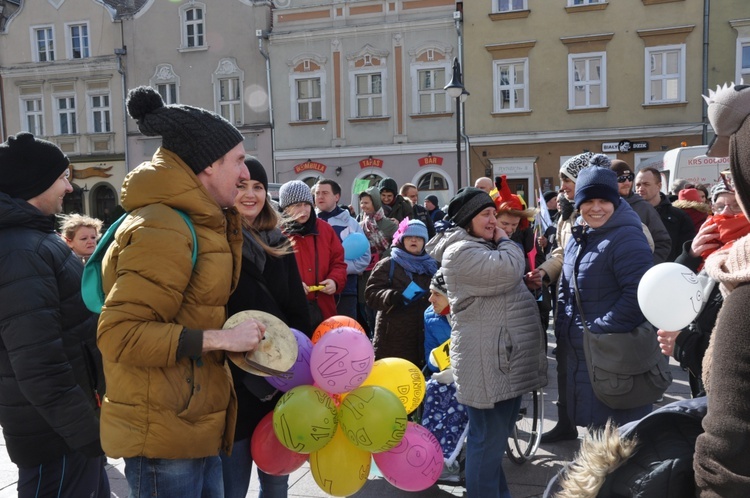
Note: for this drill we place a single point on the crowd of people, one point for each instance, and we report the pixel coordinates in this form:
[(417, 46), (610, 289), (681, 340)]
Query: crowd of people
[(148, 381)]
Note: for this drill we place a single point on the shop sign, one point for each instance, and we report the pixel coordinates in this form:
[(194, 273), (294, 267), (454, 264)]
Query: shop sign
[(624, 146), (430, 161), (310, 165), (371, 162)]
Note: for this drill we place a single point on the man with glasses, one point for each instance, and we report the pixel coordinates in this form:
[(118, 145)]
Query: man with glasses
[(677, 222), (649, 216)]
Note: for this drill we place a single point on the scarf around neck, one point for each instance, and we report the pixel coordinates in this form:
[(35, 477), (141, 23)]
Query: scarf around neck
[(327, 215), (730, 266), (302, 229), (423, 264)]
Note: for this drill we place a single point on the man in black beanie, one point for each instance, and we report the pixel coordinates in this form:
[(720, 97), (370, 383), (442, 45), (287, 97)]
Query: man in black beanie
[(51, 370), (170, 406)]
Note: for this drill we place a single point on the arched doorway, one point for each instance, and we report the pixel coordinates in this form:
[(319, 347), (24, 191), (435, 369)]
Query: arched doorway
[(362, 183), (433, 182), (104, 203), (73, 202)]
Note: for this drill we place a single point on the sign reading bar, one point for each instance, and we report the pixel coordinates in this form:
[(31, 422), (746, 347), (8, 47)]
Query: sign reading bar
[(310, 165), (624, 146), (430, 161), (371, 162)]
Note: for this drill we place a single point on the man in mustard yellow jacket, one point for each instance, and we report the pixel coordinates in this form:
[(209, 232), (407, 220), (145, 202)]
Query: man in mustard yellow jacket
[(170, 406)]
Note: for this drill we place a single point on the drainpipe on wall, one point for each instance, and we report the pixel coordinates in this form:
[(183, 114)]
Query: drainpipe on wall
[(704, 87), (120, 53), (262, 51)]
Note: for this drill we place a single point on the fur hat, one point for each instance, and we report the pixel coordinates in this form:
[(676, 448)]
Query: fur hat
[(257, 171), (728, 108), (597, 183), (388, 184), (29, 165), (466, 204), (199, 137), (294, 192), (437, 283), (573, 166)]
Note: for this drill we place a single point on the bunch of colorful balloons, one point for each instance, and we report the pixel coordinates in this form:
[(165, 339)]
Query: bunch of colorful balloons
[(342, 410)]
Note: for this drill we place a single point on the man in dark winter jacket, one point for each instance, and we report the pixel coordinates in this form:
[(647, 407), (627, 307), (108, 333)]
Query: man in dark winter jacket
[(409, 191), (50, 366), (394, 205), (648, 214), (676, 221)]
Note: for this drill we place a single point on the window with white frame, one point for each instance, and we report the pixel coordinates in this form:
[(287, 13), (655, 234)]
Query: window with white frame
[(100, 113), (743, 61), (665, 74), (509, 5), (587, 83), (511, 85), (368, 94), (43, 43), (65, 108), (193, 25), (167, 83), (572, 3), (230, 98), (308, 99), (168, 92), (228, 84), (78, 41), (32, 115), (431, 97)]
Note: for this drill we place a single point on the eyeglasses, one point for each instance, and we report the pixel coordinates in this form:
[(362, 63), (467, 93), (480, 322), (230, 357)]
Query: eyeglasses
[(726, 176), (625, 178), (720, 207)]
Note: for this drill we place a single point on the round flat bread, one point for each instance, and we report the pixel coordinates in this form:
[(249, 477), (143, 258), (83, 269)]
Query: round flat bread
[(277, 350)]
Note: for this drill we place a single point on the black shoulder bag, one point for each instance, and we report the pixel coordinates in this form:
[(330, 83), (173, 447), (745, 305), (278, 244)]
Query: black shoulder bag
[(626, 370)]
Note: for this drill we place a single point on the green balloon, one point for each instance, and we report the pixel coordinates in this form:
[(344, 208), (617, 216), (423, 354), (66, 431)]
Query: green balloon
[(305, 419), (373, 418)]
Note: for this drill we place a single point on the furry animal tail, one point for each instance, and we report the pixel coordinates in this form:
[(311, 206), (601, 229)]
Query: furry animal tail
[(602, 451)]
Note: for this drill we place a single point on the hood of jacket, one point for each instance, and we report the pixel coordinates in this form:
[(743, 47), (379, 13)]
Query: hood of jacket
[(17, 212), (374, 194), (166, 179)]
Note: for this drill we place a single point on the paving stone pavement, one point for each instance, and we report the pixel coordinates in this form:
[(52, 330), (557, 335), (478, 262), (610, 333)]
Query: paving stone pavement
[(526, 481)]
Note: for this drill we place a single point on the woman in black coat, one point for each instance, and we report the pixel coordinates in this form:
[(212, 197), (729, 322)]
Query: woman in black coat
[(269, 281)]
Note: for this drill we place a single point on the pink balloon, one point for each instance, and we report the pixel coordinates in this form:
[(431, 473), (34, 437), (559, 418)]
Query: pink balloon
[(301, 375), (415, 463), (341, 360)]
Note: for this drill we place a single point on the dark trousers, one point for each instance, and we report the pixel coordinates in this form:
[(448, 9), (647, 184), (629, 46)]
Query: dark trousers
[(71, 476), (347, 305)]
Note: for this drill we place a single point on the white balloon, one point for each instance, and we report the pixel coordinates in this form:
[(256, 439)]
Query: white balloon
[(670, 296)]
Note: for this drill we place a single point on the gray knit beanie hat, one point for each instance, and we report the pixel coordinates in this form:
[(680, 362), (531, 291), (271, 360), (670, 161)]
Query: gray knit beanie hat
[(294, 192), (199, 137)]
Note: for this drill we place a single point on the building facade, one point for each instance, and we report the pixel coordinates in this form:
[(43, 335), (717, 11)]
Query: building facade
[(550, 79), (358, 93)]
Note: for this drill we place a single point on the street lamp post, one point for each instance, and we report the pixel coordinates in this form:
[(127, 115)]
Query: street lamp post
[(457, 91)]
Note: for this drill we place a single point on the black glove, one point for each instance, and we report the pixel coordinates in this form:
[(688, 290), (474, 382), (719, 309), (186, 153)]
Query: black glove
[(92, 450), (395, 298)]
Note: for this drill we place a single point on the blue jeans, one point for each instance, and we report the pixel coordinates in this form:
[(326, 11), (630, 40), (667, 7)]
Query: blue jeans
[(237, 469), (186, 478), (488, 438)]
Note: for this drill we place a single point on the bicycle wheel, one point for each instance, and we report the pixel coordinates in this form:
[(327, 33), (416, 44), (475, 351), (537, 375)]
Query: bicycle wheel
[(526, 436)]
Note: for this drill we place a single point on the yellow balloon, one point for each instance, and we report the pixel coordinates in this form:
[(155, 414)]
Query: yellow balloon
[(340, 468), (402, 378)]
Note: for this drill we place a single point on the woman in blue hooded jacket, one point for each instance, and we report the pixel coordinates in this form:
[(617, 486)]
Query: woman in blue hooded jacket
[(609, 253)]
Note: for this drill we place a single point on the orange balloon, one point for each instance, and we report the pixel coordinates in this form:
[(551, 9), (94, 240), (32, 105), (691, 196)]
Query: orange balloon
[(335, 322)]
